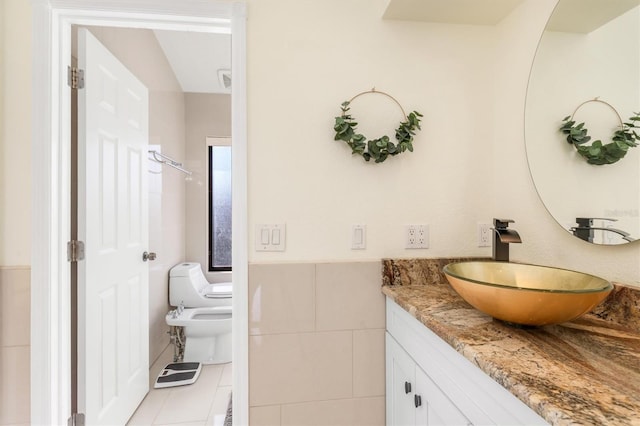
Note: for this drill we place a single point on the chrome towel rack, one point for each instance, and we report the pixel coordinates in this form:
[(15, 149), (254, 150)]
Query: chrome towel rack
[(167, 161)]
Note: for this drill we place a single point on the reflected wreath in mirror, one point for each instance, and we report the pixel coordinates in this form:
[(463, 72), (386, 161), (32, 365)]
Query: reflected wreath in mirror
[(597, 153), (380, 148)]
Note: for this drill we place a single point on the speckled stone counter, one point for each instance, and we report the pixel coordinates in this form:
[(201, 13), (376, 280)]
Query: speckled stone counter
[(584, 372)]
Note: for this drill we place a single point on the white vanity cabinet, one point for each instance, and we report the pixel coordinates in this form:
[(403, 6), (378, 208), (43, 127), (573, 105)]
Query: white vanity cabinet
[(413, 398), (429, 383)]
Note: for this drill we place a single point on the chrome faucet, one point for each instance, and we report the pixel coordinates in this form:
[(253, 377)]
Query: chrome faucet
[(175, 313), (502, 237)]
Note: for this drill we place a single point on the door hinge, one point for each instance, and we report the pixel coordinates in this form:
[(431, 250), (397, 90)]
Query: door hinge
[(75, 250), (75, 77), (76, 419)]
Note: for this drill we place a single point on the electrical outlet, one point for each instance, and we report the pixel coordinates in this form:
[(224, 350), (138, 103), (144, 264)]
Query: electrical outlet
[(484, 235), (416, 236)]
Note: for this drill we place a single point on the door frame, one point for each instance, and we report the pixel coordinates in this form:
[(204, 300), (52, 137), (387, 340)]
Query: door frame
[(51, 147)]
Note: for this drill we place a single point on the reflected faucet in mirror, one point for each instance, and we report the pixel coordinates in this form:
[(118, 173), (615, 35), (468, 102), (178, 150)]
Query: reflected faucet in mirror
[(502, 237), (585, 229)]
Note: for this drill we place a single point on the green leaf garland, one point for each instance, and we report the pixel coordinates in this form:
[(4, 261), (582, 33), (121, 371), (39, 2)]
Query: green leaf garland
[(598, 153), (381, 148)]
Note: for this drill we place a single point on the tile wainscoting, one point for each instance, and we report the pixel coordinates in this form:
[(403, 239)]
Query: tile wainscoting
[(15, 302), (316, 344)]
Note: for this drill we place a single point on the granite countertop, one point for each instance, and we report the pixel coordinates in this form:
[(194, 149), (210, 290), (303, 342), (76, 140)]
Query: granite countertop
[(583, 372)]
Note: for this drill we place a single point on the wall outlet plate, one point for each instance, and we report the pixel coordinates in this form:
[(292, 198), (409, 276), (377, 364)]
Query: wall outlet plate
[(416, 236), (484, 235)]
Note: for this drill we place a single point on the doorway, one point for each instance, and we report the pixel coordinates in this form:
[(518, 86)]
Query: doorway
[(50, 385)]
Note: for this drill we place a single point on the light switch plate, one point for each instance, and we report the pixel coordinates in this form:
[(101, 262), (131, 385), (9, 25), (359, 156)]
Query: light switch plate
[(270, 237), (358, 236)]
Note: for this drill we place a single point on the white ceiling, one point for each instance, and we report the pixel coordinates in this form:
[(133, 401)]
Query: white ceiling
[(584, 16), (471, 12), (580, 16), (197, 59)]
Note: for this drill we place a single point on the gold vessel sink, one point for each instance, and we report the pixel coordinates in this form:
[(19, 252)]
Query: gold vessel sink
[(526, 294)]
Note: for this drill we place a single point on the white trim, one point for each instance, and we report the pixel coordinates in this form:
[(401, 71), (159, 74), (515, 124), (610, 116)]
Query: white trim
[(52, 19), (240, 252), (216, 141)]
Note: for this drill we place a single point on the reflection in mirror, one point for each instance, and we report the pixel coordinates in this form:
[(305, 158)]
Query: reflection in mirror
[(589, 49)]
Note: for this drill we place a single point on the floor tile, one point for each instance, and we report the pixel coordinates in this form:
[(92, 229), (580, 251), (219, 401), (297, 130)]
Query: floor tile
[(203, 403), (149, 408), (219, 407), (191, 403), (165, 358), (227, 375)]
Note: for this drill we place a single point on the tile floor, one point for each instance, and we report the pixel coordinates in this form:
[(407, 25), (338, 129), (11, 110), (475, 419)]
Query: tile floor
[(203, 403)]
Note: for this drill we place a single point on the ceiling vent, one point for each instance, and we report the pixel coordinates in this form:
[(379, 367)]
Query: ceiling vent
[(224, 76)]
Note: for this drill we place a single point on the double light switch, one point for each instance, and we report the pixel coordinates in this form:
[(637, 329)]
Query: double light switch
[(270, 237)]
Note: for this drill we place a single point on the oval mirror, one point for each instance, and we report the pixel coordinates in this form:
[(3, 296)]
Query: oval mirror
[(589, 50)]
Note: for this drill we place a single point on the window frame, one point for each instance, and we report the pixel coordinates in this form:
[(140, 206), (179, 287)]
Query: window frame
[(212, 142)]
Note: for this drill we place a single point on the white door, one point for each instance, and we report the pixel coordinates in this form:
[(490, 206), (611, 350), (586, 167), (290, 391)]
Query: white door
[(113, 344)]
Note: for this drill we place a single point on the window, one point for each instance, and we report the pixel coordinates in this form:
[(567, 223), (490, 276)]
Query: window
[(219, 207)]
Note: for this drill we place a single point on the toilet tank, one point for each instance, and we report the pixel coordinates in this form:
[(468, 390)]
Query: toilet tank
[(186, 282)]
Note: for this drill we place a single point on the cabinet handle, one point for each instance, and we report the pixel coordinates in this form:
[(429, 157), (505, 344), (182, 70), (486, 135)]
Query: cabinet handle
[(418, 400), (407, 387)]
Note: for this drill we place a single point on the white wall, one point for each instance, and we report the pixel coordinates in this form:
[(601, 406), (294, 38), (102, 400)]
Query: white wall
[(15, 139), (305, 59), (469, 164), (15, 210), (297, 70), (2, 72), (303, 69)]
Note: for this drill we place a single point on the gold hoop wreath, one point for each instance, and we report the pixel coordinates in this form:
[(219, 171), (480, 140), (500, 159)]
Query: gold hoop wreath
[(380, 148), (597, 153)]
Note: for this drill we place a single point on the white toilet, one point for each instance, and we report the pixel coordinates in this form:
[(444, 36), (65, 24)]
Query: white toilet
[(204, 310)]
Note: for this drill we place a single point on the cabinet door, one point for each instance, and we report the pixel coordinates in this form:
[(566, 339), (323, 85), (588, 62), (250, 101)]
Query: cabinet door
[(435, 407), (400, 385)]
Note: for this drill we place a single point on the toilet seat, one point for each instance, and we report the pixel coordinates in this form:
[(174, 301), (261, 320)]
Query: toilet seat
[(218, 291), (200, 316)]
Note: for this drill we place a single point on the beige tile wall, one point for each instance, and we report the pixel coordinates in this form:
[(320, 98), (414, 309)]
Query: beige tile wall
[(15, 296), (316, 344)]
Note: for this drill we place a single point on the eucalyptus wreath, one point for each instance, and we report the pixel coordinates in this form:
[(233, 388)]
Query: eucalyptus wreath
[(380, 148), (597, 153)]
